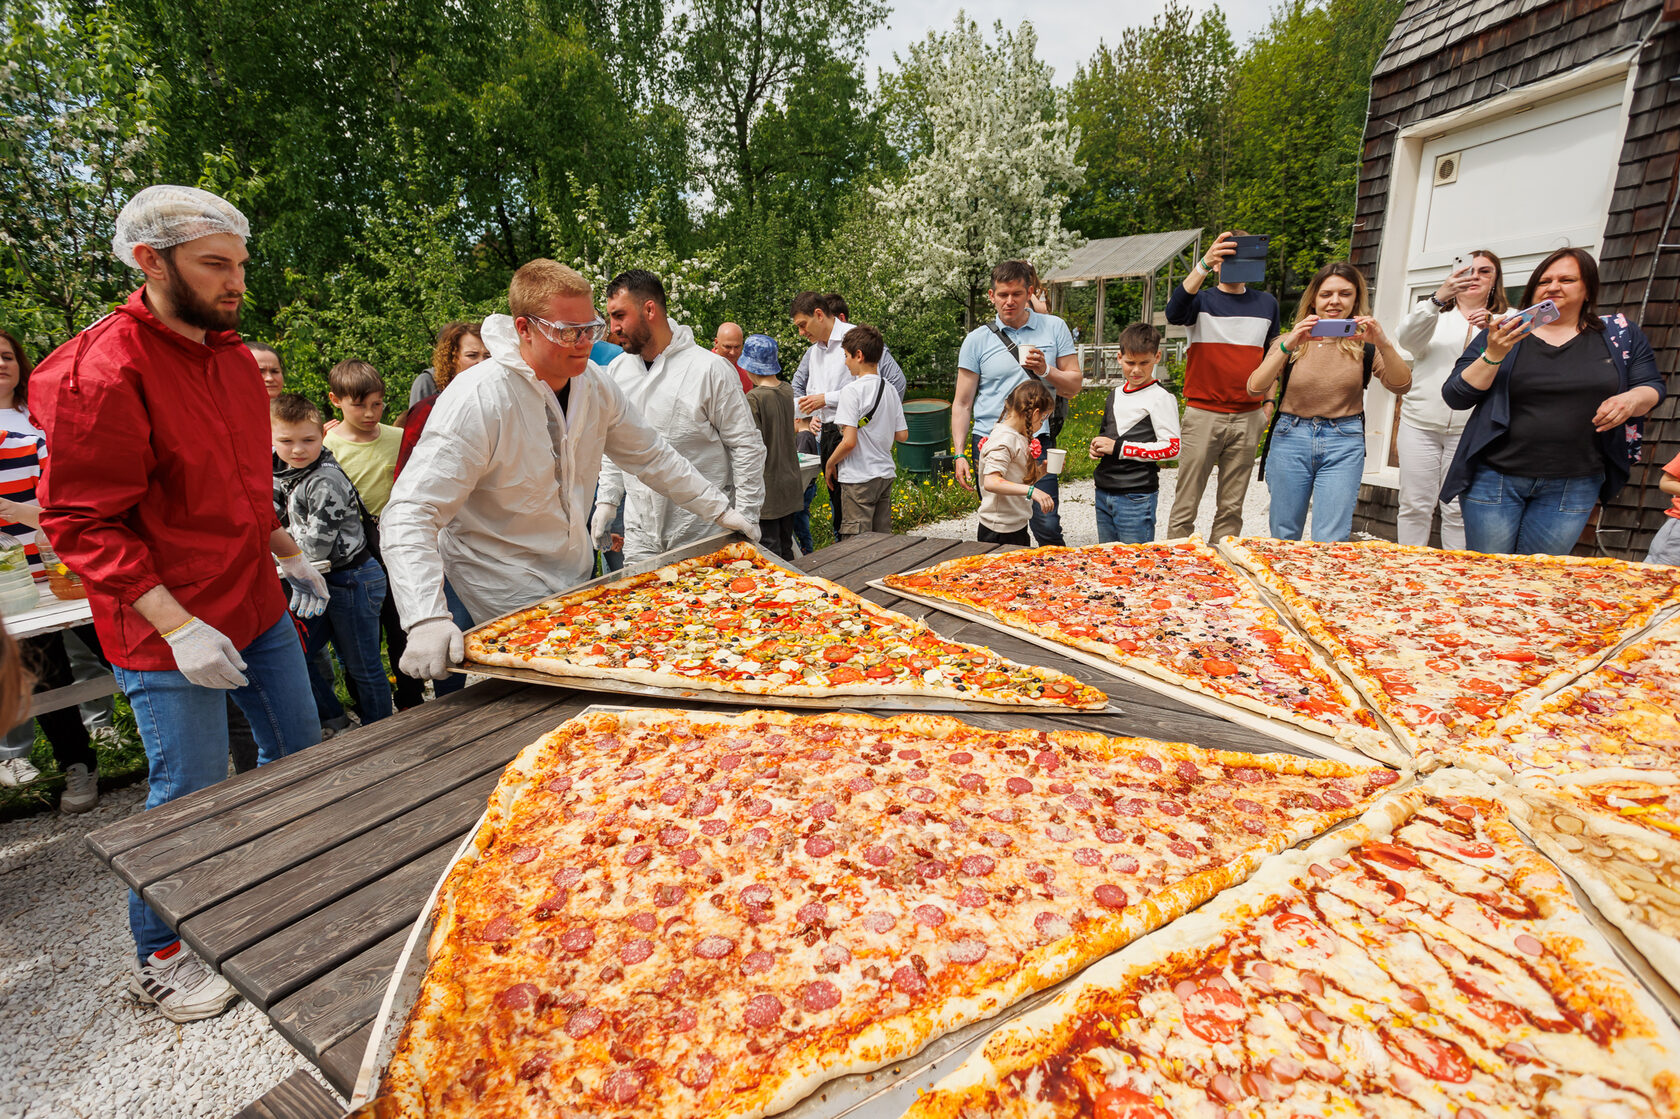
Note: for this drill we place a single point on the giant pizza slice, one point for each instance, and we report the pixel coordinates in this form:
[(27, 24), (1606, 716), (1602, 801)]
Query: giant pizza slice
[(670, 914), (734, 622), (1173, 611), (1422, 962), (1440, 642)]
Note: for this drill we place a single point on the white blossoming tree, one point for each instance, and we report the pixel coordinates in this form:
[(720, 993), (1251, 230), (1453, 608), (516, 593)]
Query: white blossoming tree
[(77, 105), (994, 161)]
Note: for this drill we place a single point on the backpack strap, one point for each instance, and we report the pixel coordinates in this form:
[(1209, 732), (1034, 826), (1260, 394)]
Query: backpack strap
[(1370, 364), (1277, 410), (880, 391)]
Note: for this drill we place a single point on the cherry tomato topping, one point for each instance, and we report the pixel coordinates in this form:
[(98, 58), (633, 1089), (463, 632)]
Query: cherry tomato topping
[(1215, 667), (744, 584), (839, 653)]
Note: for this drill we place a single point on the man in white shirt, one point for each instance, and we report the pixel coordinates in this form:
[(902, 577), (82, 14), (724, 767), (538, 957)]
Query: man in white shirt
[(693, 398), (822, 374), (497, 493)]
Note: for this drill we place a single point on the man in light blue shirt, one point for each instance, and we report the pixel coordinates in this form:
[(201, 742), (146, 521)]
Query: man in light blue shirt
[(987, 371)]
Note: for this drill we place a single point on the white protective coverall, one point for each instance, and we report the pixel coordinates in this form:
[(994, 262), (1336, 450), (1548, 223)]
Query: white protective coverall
[(693, 398), (499, 489)]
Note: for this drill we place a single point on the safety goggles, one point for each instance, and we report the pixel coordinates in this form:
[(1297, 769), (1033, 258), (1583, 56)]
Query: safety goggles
[(570, 333)]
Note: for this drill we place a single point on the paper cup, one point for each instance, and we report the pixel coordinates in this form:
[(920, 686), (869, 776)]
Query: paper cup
[(1054, 460), (1025, 351)]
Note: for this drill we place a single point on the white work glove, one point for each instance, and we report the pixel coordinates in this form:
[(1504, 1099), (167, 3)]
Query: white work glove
[(309, 589), (433, 645), (205, 656), (601, 526), (736, 521)]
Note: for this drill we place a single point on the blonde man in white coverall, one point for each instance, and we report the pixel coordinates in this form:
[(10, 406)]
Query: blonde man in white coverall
[(497, 494), (693, 398)]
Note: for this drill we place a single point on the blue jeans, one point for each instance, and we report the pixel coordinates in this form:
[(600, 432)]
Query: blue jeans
[(1046, 527), (802, 522), (1125, 517), (184, 728), (351, 623), (1512, 515), (1317, 462), (454, 682)]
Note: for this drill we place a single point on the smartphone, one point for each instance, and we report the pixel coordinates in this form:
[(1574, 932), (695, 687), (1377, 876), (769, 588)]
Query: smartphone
[(1335, 328), (1540, 314), (1248, 264)]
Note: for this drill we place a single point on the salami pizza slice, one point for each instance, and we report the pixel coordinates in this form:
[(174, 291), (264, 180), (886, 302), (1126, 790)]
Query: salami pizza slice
[(1424, 961), (1443, 642), (1174, 611), (670, 914), (734, 622)]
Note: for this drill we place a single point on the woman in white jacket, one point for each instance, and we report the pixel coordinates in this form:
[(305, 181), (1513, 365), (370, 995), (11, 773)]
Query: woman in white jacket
[(1435, 334)]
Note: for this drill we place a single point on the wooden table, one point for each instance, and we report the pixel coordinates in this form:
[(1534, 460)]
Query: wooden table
[(53, 613), (300, 880)]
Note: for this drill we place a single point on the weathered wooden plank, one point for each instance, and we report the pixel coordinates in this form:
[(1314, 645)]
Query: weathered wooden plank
[(920, 554), (299, 1096), (224, 831), (196, 887), (833, 552), (875, 547), (341, 1063), (328, 757), (279, 902), (271, 969), (339, 1003)]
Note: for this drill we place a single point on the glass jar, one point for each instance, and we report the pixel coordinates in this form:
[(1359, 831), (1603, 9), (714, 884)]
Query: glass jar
[(17, 586), (63, 582)]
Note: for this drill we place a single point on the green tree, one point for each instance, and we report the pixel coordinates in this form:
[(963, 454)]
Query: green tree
[(1153, 118), (78, 106)]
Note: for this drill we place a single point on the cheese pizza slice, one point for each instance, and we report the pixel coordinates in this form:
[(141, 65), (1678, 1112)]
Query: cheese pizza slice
[(1174, 611), (1441, 642), (1424, 961), (675, 914), (734, 622)]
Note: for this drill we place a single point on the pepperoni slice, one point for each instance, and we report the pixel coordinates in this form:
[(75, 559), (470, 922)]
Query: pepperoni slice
[(644, 921), (520, 996), (714, 947), (930, 869), (673, 794), (635, 951), (757, 806), (1018, 785), (930, 915), (497, 929), (756, 894), (910, 981), (921, 794), (860, 784), (1047, 760), (1214, 1012), (961, 757), (699, 1072), (977, 866), (1243, 804), (583, 1021), (1123, 863), (762, 1011), (819, 846), (578, 939), (1087, 856), (757, 963), (819, 995), (973, 782), (878, 856), (1146, 762), (967, 951), (638, 855), (566, 879), (879, 922), (559, 784), (836, 955), (973, 897), (1051, 926), (812, 913), (623, 1086), (1110, 896), (672, 836), (523, 854), (1183, 849), (1437, 1058)]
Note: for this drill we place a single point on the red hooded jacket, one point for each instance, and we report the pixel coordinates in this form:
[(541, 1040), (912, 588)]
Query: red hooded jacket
[(160, 472)]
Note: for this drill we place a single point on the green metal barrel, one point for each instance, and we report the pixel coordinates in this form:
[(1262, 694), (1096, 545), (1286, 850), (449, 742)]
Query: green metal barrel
[(929, 423)]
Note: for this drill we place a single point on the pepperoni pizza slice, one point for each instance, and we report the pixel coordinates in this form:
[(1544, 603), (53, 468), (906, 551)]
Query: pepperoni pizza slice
[(1174, 611), (1441, 642), (734, 622), (1424, 961), (674, 914)]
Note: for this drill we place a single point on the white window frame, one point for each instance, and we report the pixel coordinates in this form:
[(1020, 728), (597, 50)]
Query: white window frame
[(1396, 263)]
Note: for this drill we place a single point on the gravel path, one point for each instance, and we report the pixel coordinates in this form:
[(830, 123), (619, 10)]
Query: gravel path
[(1079, 512), (76, 1043)]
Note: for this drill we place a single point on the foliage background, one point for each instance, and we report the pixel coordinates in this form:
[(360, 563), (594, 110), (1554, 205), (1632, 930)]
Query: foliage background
[(399, 160)]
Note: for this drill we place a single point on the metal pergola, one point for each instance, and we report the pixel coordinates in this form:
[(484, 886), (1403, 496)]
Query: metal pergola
[(1145, 257)]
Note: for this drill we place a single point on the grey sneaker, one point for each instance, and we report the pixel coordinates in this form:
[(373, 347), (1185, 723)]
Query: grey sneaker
[(180, 985), (81, 789), (18, 771)]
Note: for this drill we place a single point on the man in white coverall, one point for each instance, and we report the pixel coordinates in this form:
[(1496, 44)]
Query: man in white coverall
[(497, 493), (693, 398)]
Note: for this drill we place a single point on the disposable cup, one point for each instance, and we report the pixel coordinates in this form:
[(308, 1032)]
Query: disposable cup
[(1054, 460)]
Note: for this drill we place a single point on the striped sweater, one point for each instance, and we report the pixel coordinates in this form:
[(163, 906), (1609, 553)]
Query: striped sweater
[(1228, 336)]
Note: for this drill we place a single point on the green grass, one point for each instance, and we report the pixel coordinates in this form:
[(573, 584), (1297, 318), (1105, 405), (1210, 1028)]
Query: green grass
[(123, 764)]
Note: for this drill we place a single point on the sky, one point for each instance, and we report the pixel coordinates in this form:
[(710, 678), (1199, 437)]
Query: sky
[(1068, 30)]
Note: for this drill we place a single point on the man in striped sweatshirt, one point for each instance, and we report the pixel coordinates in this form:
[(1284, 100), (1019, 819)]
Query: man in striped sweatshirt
[(1229, 329)]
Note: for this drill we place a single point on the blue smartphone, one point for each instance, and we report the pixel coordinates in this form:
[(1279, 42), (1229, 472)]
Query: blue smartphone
[(1335, 328)]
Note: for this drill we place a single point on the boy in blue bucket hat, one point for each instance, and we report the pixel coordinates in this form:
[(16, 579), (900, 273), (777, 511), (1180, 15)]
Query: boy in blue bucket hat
[(771, 402)]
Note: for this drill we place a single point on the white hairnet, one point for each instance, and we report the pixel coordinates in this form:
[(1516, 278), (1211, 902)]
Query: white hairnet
[(161, 216)]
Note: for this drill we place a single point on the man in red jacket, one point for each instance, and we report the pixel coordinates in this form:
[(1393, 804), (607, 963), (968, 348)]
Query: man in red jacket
[(159, 493)]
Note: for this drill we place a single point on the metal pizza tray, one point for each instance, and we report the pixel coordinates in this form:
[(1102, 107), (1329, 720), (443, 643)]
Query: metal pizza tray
[(884, 1093), (680, 696)]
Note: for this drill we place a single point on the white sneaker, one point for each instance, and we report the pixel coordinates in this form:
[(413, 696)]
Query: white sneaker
[(18, 771), (181, 986), (81, 789)]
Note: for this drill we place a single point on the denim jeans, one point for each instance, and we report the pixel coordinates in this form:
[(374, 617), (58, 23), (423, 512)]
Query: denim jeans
[(1126, 518), (1512, 515), (454, 682), (802, 522), (351, 623), (1046, 527), (184, 728), (1318, 462)]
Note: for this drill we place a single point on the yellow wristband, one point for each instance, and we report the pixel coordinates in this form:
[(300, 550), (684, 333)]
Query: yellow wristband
[(178, 629)]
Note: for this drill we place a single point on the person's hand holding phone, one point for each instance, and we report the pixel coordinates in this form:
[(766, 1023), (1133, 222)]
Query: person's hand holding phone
[(1223, 247), (1460, 279), (1101, 447), (1298, 337), (1370, 330), (1504, 334)]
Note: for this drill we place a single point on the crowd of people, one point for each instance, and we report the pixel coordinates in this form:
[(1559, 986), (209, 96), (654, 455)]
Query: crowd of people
[(233, 542)]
